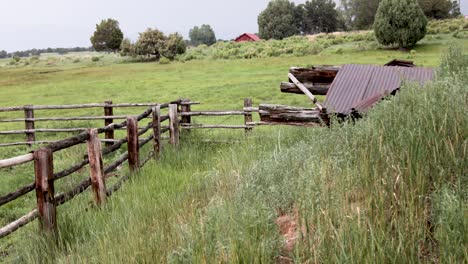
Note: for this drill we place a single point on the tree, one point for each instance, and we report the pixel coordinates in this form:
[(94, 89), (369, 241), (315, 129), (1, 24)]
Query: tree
[(320, 16), (278, 21), (150, 43), (202, 35), (126, 48), (400, 22), (108, 36), (455, 10), (3, 54), (437, 9), (359, 14), (174, 46)]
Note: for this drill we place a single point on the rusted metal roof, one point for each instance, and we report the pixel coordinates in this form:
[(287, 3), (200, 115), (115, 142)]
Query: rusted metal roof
[(356, 84), (247, 37)]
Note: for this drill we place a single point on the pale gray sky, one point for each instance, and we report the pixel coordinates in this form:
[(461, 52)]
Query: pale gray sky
[(26, 24)]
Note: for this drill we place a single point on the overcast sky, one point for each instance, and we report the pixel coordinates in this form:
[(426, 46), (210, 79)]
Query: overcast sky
[(26, 24)]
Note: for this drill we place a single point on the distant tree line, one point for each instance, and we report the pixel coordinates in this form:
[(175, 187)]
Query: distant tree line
[(37, 52), (283, 18)]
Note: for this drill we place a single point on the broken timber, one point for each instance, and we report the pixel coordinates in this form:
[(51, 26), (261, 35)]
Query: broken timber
[(289, 115), (315, 89), (316, 79)]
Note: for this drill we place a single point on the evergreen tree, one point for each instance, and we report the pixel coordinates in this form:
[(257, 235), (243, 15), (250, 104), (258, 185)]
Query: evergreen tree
[(437, 9), (107, 36), (320, 16), (400, 22), (202, 35)]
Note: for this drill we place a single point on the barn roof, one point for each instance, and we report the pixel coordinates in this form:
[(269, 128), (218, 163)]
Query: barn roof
[(357, 86), (251, 36)]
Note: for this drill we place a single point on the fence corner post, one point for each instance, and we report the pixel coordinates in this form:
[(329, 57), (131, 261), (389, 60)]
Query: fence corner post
[(157, 131), (186, 108), (96, 168), (44, 179), (29, 123), (133, 144), (248, 115), (174, 124), (109, 111)]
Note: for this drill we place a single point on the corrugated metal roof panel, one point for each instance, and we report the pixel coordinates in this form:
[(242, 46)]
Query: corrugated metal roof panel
[(357, 83)]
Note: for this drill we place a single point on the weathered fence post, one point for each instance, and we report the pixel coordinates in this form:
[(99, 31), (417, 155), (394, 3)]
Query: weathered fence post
[(157, 131), (109, 111), (185, 108), (96, 168), (44, 173), (248, 114), (133, 148), (174, 124), (29, 124)]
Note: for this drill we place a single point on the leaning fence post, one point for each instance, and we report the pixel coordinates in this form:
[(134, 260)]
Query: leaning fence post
[(132, 136), (174, 124), (96, 168), (248, 114), (29, 124), (157, 131), (109, 111), (44, 174)]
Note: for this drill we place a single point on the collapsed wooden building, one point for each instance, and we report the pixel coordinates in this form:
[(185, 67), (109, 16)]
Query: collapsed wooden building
[(350, 90)]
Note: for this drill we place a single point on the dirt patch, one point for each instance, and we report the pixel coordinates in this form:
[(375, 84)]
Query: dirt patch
[(289, 228)]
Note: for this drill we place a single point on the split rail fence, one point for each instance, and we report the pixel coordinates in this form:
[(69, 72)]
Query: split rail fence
[(179, 117)]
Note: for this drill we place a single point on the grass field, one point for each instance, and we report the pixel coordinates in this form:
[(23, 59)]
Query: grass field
[(357, 194)]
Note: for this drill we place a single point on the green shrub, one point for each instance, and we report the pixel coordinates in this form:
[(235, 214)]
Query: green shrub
[(95, 59), (164, 60)]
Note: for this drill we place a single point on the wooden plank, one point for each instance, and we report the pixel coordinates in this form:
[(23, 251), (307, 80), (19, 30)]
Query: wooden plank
[(261, 123), (173, 124), (96, 167), (316, 74), (15, 225), (132, 136), (248, 116), (43, 130), (157, 131), (16, 160), (108, 111), (288, 114), (44, 172), (319, 89), (306, 92), (29, 125), (76, 118)]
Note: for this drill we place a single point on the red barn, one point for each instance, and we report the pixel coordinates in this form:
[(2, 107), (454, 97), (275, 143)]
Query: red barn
[(247, 37)]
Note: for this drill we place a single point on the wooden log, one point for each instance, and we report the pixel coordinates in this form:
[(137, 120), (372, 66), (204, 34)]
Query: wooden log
[(69, 142), (111, 167), (317, 74), (92, 105), (306, 92), (16, 194), (284, 114), (42, 130), (15, 225), (26, 143), (44, 172), (72, 169), (261, 123), (209, 113), (315, 89), (16, 160), (29, 125), (248, 115), (157, 132), (108, 111), (251, 109), (173, 124), (185, 110), (132, 136), (187, 126), (96, 168), (67, 196), (77, 118), (189, 103)]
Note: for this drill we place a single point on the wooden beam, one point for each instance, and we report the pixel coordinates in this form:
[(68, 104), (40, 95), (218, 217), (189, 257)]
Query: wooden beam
[(306, 92), (284, 114), (29, 125), (317, 74), (96, 168), (133, 149), (315, 89), (16, 160), (44, 171), (187, 126), (174, 124), (15, 225)]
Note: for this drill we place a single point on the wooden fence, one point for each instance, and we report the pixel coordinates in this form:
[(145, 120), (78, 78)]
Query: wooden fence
[(45, 176), (179, 116)]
